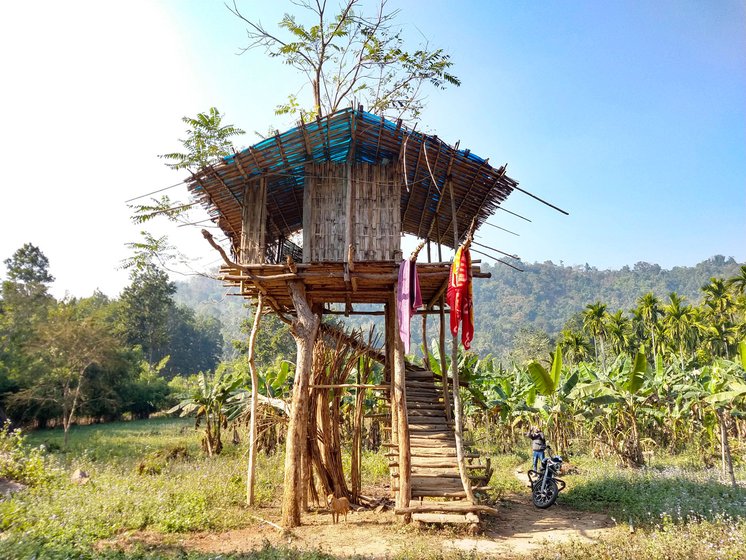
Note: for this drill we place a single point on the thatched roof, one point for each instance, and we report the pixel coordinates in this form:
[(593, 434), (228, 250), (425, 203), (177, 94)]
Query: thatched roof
[(356, 136)]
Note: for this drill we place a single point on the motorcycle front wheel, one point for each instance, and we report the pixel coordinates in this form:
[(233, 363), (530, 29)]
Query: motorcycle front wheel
[(544, 498)]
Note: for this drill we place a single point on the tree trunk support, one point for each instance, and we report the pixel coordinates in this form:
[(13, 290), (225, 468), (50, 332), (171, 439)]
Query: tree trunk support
[(303, 328)]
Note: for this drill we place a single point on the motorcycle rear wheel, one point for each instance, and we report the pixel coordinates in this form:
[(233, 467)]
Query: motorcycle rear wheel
[(544, 498)]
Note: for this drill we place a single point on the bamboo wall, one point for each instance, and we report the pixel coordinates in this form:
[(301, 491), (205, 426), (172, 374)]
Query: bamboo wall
[(324, 212), (254, 222), (351, 204)]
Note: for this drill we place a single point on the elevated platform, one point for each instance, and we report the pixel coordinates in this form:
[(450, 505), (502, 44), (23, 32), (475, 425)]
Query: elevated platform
[(368, 282)]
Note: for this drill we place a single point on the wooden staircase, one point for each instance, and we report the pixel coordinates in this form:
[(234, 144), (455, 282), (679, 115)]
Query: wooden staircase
[(435, 472)]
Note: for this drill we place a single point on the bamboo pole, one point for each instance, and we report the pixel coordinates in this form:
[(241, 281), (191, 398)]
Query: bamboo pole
[(459, 431), (402, 424), (442, 337), (390, 332), (425, 350), (251, 472)]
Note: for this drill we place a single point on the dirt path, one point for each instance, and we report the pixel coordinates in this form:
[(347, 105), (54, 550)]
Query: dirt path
[(519, 530)]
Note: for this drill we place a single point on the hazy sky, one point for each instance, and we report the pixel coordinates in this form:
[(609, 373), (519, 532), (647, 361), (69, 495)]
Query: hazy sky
[(630, 115)]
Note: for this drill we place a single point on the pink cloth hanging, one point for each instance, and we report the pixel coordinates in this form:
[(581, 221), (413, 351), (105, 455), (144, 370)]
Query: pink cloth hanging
[(408, 299)]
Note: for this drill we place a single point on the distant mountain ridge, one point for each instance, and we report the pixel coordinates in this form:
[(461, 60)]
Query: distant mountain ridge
[(542, 298), (545, 296)]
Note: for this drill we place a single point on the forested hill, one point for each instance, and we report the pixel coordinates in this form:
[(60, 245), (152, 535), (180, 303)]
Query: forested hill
[(511, 304), (546, 296)]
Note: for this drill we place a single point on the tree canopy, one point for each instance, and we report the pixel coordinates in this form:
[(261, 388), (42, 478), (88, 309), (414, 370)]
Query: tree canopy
[(350, 57)]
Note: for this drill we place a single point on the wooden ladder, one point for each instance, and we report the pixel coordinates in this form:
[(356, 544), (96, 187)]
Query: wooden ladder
[(435, 472)]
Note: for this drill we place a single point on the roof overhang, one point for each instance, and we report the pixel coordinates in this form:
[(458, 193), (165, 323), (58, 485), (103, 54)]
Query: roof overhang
[(439, 181)]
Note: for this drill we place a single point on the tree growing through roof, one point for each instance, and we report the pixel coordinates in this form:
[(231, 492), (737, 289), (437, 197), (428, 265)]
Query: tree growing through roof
[(348, 56)]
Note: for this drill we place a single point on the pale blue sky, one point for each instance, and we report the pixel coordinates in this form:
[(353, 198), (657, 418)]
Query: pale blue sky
[(630, 115)]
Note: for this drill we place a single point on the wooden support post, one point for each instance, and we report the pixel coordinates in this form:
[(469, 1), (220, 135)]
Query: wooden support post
[(251, 469), (442, 337), (348, 246), (303, 328), (402, 424), (457, 414), (425, 349)]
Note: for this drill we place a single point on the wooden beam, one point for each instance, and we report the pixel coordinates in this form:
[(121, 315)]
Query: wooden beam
[(446, 507), (350, 386), (448, 172), (454, 211)]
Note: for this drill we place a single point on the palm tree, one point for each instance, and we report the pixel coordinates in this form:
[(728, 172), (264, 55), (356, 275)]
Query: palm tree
[(593, 323), (649, 309), (575, 347), (618, 331), (678, 321), (738, 283), (719, 305)]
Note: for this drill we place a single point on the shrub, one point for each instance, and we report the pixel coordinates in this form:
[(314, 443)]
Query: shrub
[(20, 462)]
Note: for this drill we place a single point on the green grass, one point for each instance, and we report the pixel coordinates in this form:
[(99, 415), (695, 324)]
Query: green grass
[(677, 510), (188, 493), (33, 549), (119, 441), (653, 495), (672, 510)]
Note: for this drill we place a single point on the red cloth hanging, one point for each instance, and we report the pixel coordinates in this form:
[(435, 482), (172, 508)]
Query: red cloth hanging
[(459, 296)]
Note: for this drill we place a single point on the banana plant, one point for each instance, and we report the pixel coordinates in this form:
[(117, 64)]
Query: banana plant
[(207, 401), (616, 399), (556, 410), (727, 389)]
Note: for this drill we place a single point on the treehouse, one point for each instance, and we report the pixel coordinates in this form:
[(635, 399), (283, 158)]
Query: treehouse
[(315, 218)]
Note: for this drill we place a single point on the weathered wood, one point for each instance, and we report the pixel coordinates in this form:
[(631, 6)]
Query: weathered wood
[(400, 401), (303, 328), (349, 386), (251, 467), (426, 507), (451, 518), (254, 222), (457, 413)]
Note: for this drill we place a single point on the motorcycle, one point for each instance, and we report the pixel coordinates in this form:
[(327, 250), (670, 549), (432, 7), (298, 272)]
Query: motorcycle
[(545, 486)]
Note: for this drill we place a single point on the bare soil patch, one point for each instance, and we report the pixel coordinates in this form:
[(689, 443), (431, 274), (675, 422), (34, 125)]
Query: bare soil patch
[(519, 530)]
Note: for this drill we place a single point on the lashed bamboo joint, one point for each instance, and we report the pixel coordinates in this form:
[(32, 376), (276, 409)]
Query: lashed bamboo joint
[(315, 217)]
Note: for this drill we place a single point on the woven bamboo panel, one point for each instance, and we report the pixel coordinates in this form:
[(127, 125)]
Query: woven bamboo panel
[(376, 212), (254, 222), (324, 213), (374, 230)]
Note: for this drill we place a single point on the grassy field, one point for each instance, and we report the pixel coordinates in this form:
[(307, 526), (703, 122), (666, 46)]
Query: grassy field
[(151, 476)]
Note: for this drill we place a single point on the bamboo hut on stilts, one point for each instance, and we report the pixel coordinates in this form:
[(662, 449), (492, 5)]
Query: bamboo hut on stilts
[(314, 218)]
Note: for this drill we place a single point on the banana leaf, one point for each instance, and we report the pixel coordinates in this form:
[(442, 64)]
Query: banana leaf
[(637, 373)]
